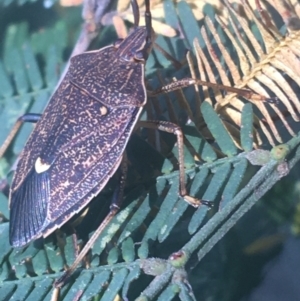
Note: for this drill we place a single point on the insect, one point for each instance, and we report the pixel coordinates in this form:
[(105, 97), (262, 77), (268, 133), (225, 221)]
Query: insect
[(79, 141)]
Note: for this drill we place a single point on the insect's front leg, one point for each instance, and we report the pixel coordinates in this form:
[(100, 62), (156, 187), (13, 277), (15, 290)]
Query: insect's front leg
[(4, 187), (30, 117), (172, 128), (186, 82), (33, 118)]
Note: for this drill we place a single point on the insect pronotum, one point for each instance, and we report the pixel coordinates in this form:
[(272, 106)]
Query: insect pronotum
[(79, 141)]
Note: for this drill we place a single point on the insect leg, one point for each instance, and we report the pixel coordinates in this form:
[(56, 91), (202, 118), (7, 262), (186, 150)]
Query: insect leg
[(4, 187), (172, 128), (30, 117), (136, 13), (114, 208), (186, 82)]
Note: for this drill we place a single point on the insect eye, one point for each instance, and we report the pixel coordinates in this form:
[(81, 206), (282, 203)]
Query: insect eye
[(117, 43), (139, 56)]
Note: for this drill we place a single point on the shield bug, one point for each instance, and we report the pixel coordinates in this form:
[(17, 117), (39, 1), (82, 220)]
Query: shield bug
[(79, 141)]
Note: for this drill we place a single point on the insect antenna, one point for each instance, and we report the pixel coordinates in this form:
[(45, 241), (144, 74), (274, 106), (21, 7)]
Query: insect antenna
[(136, 13), (149, 38), (148, 22)]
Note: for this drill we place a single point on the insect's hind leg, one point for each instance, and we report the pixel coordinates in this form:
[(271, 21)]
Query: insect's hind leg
[(172, 128), (30, 117), (114, 208)]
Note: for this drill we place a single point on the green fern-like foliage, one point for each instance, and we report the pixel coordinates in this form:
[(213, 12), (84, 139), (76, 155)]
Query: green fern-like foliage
[(153, 248)]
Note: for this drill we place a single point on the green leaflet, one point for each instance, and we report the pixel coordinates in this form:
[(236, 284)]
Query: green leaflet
[(218, 130), (97, 285), (247, 128)]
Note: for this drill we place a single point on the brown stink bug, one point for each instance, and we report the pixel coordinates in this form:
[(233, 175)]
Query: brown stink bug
[(79, 141)]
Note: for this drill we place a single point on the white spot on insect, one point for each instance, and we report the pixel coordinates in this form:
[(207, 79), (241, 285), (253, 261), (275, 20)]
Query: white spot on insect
[(66, 183), (40, 166), (103, 110)]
